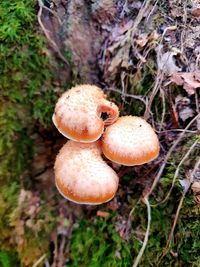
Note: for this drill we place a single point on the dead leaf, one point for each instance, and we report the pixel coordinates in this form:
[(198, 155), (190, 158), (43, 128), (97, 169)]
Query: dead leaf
[(166, 63), (119, 60), (177, 79), (186, 113), (190, 84), (144, 38), (189, 81), (183, 108)]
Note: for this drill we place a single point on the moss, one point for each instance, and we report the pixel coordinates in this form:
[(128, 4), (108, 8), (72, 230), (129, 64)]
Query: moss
[(100, 245), (95, 241), (27, 99), (8, 259)]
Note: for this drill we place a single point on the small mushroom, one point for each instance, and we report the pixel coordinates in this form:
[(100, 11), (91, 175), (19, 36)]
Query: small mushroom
[(82, 176), (130, 141), (78, 113)]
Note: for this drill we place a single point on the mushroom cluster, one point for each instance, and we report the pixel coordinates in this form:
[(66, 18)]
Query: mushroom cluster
[(81, 174)]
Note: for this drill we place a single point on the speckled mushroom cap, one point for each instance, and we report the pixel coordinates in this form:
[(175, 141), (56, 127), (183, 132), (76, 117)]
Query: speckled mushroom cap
[(130, 141), (82, 176), (78, 113)]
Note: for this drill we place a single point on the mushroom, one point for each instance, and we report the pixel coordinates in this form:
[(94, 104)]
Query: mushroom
[(82, 176), (130, 141), (78, 113)]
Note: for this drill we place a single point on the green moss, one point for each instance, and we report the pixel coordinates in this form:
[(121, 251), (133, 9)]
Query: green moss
[(98, 244), (8, 259), (27, 99), (95, 241), (26, 79)]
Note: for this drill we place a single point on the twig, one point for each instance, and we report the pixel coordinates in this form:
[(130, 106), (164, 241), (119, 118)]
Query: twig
[(46, 32), (40, 2), (176, 130), (138, 19), (158, 82), (157, 178), (177, 172), (151, 12), (178, 211), (163, 110), (133, 209), (39, 260), (139, 256), (183, 37), (137, 97)]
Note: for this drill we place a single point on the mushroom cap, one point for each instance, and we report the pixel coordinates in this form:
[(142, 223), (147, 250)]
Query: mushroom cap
[(130, 141), (78, 113), (82, 176)]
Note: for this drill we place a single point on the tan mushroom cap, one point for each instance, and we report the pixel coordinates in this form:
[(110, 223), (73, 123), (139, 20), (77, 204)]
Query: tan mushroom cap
[(82, 176), (78, 113), (130, 141)]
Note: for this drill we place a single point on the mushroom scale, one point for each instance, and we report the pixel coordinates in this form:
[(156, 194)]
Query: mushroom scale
[(130, 141), (78, 113), (82, 176)]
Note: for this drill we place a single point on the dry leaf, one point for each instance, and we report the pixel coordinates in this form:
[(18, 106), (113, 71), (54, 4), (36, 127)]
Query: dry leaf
[(144, 38), (177, 79), (166, 63), (120, 59), (190, 84), (186, 113), (189, 81)]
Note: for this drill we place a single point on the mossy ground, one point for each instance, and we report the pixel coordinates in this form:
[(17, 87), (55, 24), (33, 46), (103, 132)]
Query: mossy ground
[(27, 100)]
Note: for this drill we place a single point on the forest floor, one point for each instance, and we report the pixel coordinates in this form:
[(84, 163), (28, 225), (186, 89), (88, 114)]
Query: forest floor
[(146, 56)]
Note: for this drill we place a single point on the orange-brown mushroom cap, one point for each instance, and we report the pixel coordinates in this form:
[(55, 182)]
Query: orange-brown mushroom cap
[(130, 141), (82, 176), (78, 113)]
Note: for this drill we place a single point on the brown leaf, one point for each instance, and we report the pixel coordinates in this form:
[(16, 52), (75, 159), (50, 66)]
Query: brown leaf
[(190, 84), (189, 81), (177, 79), (144, 38)]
